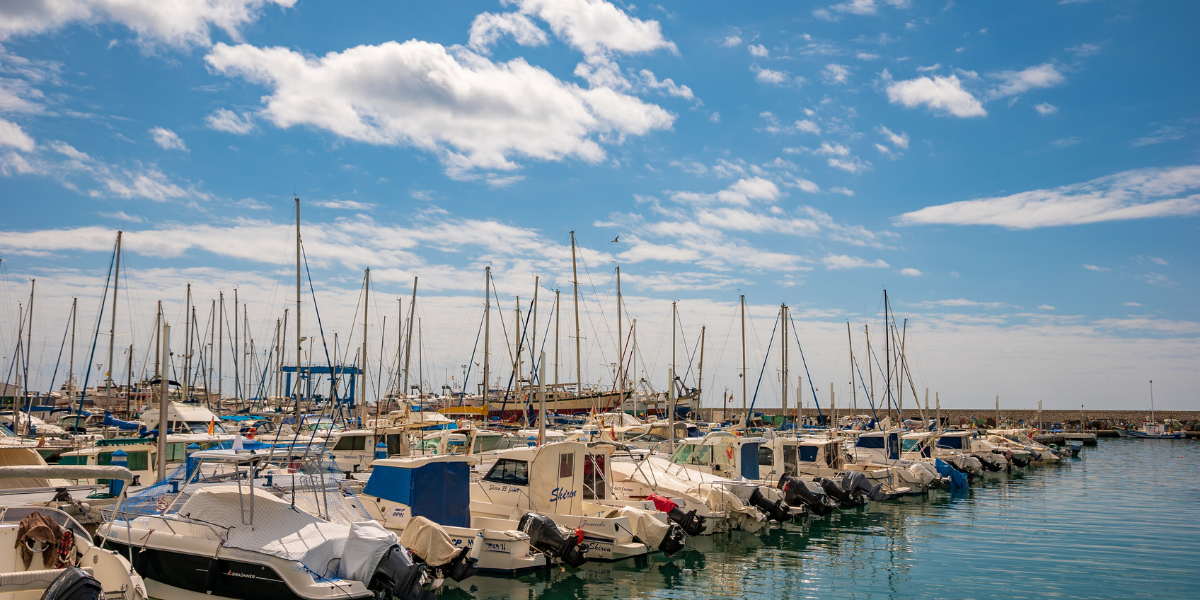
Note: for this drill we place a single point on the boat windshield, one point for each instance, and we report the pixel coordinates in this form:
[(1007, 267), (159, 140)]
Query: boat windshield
[(202, 427), (320, 426), (908, 445)]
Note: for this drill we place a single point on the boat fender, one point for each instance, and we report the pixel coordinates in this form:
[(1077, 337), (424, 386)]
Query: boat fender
[(546, 536), (74, 584), (776, 510), (215, 568)]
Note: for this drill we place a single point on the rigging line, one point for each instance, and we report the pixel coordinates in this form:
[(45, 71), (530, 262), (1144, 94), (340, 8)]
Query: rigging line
[(881, 374), (865, 390), (816, 400), (96, 336), (766, 356), (13, 365)]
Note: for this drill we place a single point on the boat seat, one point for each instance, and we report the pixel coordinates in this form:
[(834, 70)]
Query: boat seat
[(26, 581)]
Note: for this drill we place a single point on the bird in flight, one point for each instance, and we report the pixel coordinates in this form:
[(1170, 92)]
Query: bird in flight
[(615, 240)]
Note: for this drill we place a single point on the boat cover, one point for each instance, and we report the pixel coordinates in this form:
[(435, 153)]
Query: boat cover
[(366, 544), (275, 528), (429, 541)]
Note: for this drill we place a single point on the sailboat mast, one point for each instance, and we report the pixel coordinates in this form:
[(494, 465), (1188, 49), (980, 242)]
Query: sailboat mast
[(700, 372), (71, 364), (487, 330), (113, 323), (578, 353), (158, 322), (870, 365), (620, 338), (743, 302), (187, 340), (887, 354), (412, 311), (674, 332), (557, 314), (362, 405), (220, 344), (784, 354), (299, 339), (29, 347), (850, 345), (534, 363)]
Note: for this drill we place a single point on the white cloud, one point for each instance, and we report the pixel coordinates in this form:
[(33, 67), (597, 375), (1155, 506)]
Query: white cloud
[(910, 272), (740, 193), (834, 73), (1019, 82), (595, 25), (732, 41), (1083, 50), (960, 303), (343, 204), (943, 95), (808, 126), (666, 85), (230, 122), (1166, 133), (1045, 109), (122, 216), (488, 28), (167, 139), (867, 56), (1133, 304), (842, 190), (180, 23), (758, 50), (1136, 194), (1045, 307), (472, 112), (832, 149), (12, 136), (770, 76), (842, 261), (899, 141), (1154, 260), (850, 165), (1095, 268)]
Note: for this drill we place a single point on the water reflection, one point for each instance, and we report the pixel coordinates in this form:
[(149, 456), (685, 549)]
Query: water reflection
[(1121, 522)]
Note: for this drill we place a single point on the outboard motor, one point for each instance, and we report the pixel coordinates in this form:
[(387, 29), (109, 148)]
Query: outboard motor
[(692, 523), (989, 462), (552, 541), (776, 510), (796, 493), (74, 584), (673, 541), (835, 491), (856, 484), (396, 575)]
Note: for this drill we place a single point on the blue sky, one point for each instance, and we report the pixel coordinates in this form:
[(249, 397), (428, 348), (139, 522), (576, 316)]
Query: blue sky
[(1022, 177)]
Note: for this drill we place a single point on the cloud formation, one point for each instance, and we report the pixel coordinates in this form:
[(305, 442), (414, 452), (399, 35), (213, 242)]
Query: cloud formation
[(942, 95), (1136, 194)]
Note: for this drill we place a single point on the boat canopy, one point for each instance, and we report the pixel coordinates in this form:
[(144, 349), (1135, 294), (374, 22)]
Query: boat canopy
[(66, 472)]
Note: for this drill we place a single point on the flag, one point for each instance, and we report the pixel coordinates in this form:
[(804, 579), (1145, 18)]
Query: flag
[(210, 426)]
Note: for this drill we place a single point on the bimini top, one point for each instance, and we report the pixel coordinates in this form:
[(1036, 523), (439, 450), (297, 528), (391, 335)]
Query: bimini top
[(66, 472)]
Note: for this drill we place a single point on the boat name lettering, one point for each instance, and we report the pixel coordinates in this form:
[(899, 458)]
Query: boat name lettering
[(559, 493)]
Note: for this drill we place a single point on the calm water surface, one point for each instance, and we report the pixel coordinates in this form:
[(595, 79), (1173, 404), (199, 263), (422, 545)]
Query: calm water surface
[(1123, 521)]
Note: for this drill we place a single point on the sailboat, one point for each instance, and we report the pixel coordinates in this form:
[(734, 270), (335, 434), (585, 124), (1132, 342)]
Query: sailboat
[(1151, 430)]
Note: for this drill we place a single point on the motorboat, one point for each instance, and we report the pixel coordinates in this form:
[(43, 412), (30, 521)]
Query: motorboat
[(48, 554), (437, 488), (1150, 430)]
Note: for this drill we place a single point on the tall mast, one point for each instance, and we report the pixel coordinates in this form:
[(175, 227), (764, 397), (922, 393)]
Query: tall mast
[(158, 321), (220, 344), (71, 365), (557, 313), (743, 302), (279, 391), (213, 345), (164, 421), (674, 334), (534, 363), (700, 372), (362, 405), (299, 338), (28, 348), (516, 355), (870, 365), (278, 357), (620, 336), (246, 348), (887, 354), (187, 340), (784, 354), (113, 323), (487, 330), (237, 379), (850, 345), (900, 374), (412, 311), (578, 353)]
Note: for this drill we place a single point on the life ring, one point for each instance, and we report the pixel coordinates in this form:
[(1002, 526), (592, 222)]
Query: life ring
[(250, 433)]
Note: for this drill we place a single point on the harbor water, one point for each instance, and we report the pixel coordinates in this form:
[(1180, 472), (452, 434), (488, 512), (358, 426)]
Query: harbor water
[(1122, 521)]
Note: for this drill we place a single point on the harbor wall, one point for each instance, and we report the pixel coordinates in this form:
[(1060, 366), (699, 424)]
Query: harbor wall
[(1097, 419)]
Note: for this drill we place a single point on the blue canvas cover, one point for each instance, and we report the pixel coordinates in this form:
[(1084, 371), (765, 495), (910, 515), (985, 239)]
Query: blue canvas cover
[(750, 460), (438, 491), (958, 479)]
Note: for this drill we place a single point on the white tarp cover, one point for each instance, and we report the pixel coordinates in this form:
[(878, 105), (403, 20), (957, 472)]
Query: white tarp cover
[(549, 493), (277, 528), (428, 540), (673, 481), (366, 544), (645, 526), (66, 472)]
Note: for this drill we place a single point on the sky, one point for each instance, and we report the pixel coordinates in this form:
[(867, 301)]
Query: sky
[(1022, 178)]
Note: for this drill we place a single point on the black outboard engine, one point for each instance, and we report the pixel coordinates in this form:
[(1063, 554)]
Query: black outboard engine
[(989, 462), (674, 541), (796, 493), (74, 584), (856, 484), (692, 523), (396, 575), (460, 567), (776, 510), (835, 491), (547, 537)]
